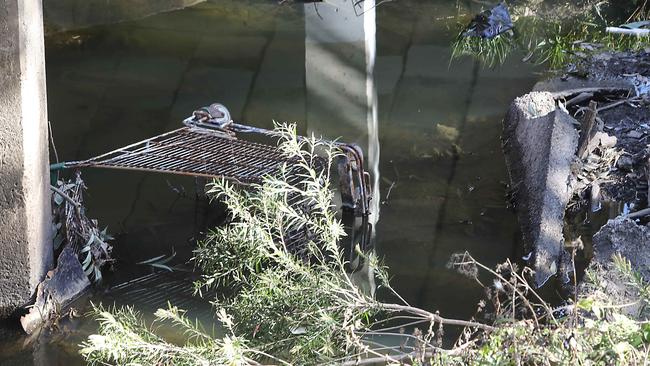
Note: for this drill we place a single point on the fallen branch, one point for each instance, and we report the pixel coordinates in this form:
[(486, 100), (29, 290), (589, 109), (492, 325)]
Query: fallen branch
[(639, 214), (589, 129), (66, 197), (595, 89), (435, 317), (415, 355), (617, 103)]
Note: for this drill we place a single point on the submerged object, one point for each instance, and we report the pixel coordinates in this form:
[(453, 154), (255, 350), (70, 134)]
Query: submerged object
[(212, 145), (490, 23)]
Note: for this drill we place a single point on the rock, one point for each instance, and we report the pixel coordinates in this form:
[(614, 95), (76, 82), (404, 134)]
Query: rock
[(540, 143), (606, 140), (625, 163), (61, 286), (623, 236)]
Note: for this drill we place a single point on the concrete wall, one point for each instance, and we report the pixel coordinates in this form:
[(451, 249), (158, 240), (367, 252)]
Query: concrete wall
[(62, 15), (25, 222)]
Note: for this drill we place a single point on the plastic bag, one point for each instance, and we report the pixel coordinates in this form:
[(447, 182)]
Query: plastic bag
[(490, 23)]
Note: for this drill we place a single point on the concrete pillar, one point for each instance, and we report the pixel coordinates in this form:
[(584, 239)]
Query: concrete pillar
[(25, 215), (340, 53), (340, 50)]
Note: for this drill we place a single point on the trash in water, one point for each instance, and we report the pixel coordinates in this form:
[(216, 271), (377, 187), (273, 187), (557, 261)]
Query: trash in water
[(490, 23)]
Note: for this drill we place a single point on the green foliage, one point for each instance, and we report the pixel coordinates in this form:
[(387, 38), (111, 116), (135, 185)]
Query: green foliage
[(284, 308), (126, 340), (594, 330), (490, 52), (302, 308), (553, 41)]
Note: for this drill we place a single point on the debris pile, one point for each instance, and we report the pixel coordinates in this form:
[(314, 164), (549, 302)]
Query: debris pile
[(606, 101)]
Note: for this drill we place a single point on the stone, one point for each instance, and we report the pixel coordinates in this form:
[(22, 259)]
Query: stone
[(625, 163), (540, 142), (623, 236), (620, 236), (606, 140), (25, 219)]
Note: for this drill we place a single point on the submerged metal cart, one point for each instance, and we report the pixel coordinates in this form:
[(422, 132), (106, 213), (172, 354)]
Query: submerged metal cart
[(211, 145)]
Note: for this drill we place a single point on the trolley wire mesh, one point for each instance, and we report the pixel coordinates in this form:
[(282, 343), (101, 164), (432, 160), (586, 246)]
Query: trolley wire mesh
[(197, 152)]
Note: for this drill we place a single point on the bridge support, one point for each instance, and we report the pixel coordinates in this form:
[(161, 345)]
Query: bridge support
[(25, 214)]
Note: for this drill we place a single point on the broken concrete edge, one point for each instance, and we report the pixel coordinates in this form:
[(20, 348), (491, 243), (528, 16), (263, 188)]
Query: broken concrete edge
[(62, 285), (540, 142)]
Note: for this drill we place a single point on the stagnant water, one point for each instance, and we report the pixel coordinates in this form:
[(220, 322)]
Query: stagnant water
[(431, 127)]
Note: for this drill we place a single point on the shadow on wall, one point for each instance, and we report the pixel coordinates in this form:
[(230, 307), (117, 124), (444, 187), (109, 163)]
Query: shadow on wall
[(64, 15)]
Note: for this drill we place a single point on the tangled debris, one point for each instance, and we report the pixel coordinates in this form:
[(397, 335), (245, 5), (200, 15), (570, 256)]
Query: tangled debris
[(83, 235), (83, 251), (616, 167)]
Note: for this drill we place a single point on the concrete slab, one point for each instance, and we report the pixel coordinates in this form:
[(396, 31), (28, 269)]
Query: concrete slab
[(283, 65), (414, 102), (74, 14), (540, 142)]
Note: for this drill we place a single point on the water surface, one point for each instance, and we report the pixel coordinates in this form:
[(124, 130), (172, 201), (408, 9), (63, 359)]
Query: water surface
[(434, 124)]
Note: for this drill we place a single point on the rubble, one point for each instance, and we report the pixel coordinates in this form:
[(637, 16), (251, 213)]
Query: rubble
[(605, 100)]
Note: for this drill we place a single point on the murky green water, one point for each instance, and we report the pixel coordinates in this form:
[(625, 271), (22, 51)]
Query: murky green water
[(436, 130)]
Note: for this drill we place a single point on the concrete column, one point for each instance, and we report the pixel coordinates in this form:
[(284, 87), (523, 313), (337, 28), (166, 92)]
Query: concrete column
[(25, 215), (340, 52)]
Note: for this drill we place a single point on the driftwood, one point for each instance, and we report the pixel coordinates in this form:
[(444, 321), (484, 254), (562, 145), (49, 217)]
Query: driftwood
[(588, 131), (579, 99)]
